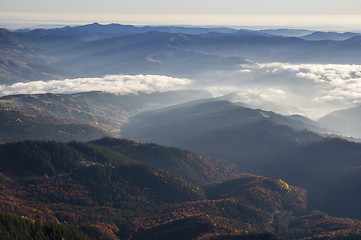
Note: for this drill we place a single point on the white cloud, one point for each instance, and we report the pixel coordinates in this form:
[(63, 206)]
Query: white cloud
[(335, 82), (245, 71), (119, 84)]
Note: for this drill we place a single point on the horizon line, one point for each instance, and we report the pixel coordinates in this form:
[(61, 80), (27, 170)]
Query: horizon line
[(16, 20)]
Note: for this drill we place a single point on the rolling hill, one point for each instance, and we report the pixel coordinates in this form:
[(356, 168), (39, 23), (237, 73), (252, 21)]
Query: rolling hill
[(74, 181), (106, 111), (262, 143), (195, 168), (221, 129), (244, 174), (109, 195)]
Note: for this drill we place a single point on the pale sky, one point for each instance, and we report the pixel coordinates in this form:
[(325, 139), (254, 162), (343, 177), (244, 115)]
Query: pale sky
[(185, 6), (318, 13)]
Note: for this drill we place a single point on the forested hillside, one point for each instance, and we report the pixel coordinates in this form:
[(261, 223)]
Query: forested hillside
[(104, 189)]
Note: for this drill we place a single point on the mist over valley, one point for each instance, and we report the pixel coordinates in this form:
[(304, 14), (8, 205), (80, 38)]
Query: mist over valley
[(170, 132)]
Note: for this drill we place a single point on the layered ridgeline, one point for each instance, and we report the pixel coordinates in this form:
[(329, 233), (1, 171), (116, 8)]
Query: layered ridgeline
[(97, 50), (99, 31), (119, 189), (222, 129), (262, 143), (344, 121), (107, 194), (81, 116)]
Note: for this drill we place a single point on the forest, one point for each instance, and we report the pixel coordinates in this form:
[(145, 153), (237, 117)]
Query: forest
[(119, 189)]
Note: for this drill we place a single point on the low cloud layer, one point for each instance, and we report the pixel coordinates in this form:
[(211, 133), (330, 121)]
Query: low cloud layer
[(335, 82), (119, 84), (309, 89)]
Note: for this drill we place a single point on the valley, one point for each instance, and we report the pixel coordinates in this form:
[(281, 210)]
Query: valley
[(170, 132)]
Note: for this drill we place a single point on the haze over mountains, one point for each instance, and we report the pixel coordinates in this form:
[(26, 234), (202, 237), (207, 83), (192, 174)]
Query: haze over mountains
[(260, 142), (228, 131), (106, 111), (318, 73)]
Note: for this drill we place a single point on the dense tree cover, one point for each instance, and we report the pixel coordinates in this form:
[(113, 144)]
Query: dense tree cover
[(18, 228), (183, 163), (328, 170), (38, 157), (248, 236), (102, 155), (111, 177), (181, 229), (262, 143), (135, 185), (258, 191), (16, 126), (109, 195), (198, 227), (322, 226)]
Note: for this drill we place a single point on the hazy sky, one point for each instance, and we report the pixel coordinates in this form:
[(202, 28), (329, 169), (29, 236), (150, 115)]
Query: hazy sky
[(196, 12), (186, 6)]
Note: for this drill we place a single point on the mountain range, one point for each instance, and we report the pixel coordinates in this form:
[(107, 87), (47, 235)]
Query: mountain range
[(97, 50), (262, 143), (108, 112), (153, 154), (221, 129), (322, 36), (253, 140), (96, 30)]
